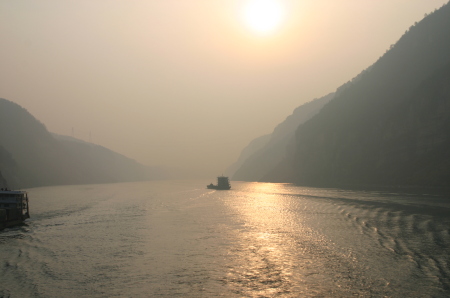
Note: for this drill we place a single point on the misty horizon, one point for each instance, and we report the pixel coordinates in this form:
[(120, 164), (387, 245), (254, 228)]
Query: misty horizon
[(185, 85)]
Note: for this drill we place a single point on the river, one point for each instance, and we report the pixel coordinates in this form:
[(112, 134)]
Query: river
[(179, 239)]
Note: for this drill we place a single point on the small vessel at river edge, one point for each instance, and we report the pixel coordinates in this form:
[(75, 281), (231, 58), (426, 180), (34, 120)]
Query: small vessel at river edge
[(222, 184), (13, 207)]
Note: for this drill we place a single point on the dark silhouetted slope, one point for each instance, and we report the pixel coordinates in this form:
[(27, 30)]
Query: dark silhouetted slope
[(3, 182), (389, 127), (31, 156), (8, 168), (253, 147), (272, 150), (413, 146)]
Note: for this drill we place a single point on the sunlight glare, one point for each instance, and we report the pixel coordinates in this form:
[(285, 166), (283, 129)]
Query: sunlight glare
[(263, 16)]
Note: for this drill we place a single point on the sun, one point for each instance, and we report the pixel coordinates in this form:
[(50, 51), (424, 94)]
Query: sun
[(263, 16)]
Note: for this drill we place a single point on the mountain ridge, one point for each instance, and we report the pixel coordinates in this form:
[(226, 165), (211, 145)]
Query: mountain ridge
[(31, 156), (341, 144), (269, 154)]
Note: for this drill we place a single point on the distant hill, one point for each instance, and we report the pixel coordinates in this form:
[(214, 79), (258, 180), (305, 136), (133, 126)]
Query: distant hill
[(8, 168), (31, 156), (265, 153), (389, 127), (3, 182), (253, 147)]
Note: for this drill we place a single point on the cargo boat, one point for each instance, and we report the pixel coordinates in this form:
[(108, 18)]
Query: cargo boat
[(13, 207), (222, 183)]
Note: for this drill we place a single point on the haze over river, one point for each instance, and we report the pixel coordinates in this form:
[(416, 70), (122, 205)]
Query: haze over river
[(179, 239)]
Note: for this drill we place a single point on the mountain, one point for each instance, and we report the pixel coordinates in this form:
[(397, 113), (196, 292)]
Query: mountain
[(266, 152), (8, 168), (253, 147), (3, 182), (389, 127), (31, 156)]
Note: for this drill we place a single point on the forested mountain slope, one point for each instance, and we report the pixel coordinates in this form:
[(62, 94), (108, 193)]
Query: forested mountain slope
[(272, 150), (31, 156), (390, 127), (254, 146)]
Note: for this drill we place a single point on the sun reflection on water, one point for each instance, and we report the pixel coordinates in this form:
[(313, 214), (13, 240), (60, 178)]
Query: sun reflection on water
[(264, 258)]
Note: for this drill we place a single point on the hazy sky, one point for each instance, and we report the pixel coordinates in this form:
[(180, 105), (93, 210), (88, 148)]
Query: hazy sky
[(185, 83)]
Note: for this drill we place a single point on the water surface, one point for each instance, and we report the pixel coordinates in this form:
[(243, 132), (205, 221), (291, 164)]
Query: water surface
[(179, 239)]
